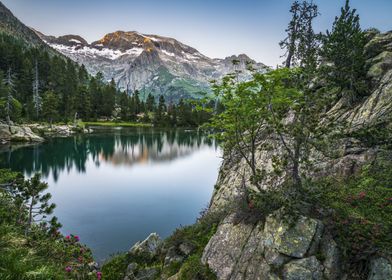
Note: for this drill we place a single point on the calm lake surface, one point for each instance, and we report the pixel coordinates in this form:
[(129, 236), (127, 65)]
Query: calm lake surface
[(116, 186)]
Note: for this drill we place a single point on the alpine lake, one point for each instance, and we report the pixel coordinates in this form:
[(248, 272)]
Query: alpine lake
[(115, 186)]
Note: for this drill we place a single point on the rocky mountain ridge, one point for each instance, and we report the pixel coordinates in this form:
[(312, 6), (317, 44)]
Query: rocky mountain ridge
[(150, 63)]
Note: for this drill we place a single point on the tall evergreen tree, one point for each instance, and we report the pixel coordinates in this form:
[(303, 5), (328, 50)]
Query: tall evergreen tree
[(343, 49), (37, 101), (289, 43), (301, 42), (10, 88), (49, 106)]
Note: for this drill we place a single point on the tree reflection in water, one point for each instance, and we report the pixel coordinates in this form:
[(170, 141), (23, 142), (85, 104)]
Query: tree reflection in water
[(115, 146)]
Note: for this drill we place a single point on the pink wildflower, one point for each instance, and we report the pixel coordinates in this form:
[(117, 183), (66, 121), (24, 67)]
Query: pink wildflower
[(362, 195), (99, 275), (68, 237), (76, 238), (68, 269)]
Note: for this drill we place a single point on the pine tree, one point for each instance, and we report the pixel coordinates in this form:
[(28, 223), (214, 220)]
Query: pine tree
[(301, 42), (150, 103), (343, 53), (50, 105), (160, 111), (10, 88), (37, 101), (30, 195)]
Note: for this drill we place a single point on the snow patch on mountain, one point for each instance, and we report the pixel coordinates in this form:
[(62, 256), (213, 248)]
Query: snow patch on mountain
[(150, 63)]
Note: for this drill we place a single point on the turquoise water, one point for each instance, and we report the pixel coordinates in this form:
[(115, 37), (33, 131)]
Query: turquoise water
[(114, 187)]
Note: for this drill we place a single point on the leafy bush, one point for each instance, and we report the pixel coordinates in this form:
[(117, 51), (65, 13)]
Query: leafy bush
[(193, 269), (115, 267), (359, 212)]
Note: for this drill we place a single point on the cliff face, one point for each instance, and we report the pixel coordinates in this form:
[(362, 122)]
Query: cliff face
[(375, 109), (283, 249)]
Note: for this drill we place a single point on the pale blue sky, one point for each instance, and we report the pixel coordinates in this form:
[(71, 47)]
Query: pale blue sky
[(217, 28)]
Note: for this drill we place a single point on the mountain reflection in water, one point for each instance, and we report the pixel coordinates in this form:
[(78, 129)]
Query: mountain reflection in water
[(116, 146)]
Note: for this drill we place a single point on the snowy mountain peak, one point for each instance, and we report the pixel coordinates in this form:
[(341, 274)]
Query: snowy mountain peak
[(149, 63)]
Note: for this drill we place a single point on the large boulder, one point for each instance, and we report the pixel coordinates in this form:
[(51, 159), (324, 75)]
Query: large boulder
[(148, 247), (225, 247), (380, 269), (289, 237), (5, 134), (379, 43), (172, 256), (308, 268), (24, 134), (235, 252)]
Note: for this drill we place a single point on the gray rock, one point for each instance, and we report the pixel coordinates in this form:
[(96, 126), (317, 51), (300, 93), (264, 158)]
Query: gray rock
[(225, 248), (93, 266), (291, 240), (315, 245), (303, 269), (251, 264), (174, 277), (149, 273), (172, 256), (5, 134), (330, 251), (274, 258), (24, 134), (131, 268), (236, 252), (148, 246), (380, 269), (186, 248)]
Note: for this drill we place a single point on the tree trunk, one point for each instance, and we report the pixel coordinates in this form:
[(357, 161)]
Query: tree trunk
[(30, 220), (289, 58)]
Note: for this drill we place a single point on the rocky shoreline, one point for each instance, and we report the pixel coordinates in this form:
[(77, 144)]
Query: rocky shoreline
[(36, 133)]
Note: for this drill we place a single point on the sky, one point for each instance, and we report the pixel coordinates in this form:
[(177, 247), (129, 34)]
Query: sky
[(217, 28)]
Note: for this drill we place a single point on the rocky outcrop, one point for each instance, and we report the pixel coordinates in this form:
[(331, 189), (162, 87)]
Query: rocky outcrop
[(47, 131), (18, 134), (307, 268), (35, 133), (5, 134), (280, 248), (149, 246), (380, 269), (376, 108)]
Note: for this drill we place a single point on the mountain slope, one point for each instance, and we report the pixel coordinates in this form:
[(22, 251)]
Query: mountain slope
[(149, 63), (10, 25)]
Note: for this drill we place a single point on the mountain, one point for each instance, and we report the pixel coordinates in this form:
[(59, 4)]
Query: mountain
[(10, 25), (149, 63)]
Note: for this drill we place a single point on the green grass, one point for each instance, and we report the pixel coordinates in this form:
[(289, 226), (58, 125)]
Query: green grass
[(117, 124)]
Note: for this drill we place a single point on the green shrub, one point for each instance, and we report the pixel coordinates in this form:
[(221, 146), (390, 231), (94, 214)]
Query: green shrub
[(359, 212), (193, 269), (115, 267)]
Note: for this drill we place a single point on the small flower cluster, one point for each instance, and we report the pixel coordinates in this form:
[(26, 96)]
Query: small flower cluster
[(72, 238), (79, 259)]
